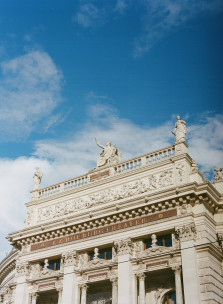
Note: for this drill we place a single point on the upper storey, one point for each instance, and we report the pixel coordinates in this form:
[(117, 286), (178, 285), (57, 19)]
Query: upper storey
[(114, 182)]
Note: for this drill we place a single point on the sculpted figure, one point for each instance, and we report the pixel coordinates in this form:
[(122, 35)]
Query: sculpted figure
[(180, 130), (108, 155), (37, 179), (219, 174)]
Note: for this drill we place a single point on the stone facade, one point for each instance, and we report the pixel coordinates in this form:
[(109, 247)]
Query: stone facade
[(145, 231)]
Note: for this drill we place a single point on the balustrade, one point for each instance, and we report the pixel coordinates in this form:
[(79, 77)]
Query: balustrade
[(132, 164)]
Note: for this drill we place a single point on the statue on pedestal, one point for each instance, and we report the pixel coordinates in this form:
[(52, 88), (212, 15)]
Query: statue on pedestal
[(37, 179), (109, 154), (180, 130)]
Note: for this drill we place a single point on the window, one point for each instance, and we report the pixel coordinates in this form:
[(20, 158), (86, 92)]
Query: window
[(53, 264), (162, 240), (169, 298), (105, 253)]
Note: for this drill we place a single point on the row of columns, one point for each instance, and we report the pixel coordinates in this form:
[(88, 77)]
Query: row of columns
[(178, 286), (83, 290)]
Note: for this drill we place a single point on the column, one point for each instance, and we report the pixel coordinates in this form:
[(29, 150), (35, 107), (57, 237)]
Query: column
[(84, 293), (178, 285), (34, 297), (114, 290), (125, 292), (60, 292), (21, 293), (187, 235), (142, 293), (70, 294)]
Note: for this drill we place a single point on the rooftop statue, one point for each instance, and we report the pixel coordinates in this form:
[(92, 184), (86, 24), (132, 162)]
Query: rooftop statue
[(219, 174), (37, 179), (109, 154), (180, 130)]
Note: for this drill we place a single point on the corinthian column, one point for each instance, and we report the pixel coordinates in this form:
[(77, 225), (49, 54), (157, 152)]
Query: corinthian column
[(114, 290), (142, 294), (34, 297), (178, 285), (60, 292), (84, 293)]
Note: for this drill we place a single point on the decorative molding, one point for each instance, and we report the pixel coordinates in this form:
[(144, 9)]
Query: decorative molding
[(186, 232), (109, 228)]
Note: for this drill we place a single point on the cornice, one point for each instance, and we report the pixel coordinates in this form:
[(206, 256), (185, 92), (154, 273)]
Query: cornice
[(195, 189), (146, 207)]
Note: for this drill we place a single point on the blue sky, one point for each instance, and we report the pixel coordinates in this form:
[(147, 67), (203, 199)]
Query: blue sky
[(120, 70)]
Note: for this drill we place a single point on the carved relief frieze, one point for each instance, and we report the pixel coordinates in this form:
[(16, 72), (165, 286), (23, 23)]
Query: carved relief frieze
[(139, 186), (180, 173), (186, 232)]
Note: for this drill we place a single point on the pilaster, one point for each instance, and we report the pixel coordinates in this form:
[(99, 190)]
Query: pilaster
[(124, 250), (70, 287), (187, 236), (21, 292)]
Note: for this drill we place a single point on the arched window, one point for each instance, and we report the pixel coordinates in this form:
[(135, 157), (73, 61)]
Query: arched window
[(169, 298)]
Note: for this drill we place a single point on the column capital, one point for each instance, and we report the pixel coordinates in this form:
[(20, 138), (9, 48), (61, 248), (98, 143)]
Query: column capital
[(124, 246), (141, 276), (114, 281), (83, 286), (69, 258), (186, 232), (22, 268), (176, 269), (34, 296)]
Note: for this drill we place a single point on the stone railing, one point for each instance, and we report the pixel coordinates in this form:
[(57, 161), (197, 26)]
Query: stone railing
[(146, 159), (132, 164), (65, 186)]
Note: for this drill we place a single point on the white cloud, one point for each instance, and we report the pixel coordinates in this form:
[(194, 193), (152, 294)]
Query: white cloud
[(89, 15), (163, 16), (29, 93), (76, 154)]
